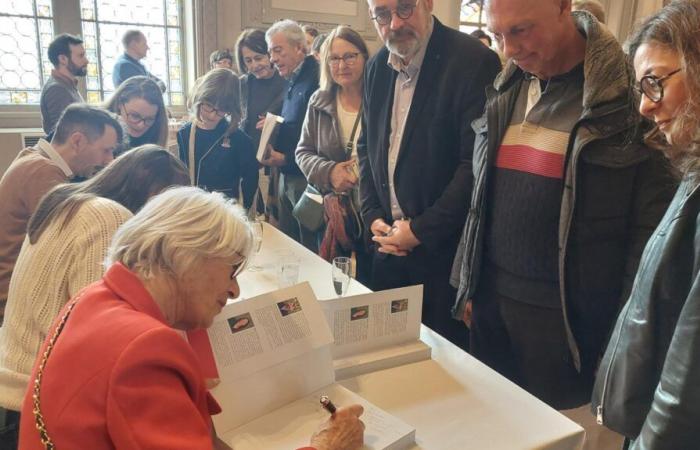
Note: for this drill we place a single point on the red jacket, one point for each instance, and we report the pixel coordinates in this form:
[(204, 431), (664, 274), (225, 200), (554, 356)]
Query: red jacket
[(120, 377)]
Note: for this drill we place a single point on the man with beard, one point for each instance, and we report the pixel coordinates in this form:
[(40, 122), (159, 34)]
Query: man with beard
[(421, 93), (67, 55)]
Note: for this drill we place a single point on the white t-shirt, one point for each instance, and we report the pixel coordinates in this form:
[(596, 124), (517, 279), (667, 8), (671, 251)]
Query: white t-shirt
[(346, 119)]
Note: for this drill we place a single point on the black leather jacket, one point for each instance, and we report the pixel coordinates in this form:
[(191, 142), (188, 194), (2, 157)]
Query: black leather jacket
[(648, 384)]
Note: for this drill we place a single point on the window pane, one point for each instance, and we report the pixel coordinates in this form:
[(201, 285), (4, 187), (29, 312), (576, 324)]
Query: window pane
[(19, 65), (23, 7), (43, 8), (471, 11), (131, 11), (24, 40), (103, 28)]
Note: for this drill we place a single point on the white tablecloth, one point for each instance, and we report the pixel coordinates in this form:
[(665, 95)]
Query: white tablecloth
[(453, 400)]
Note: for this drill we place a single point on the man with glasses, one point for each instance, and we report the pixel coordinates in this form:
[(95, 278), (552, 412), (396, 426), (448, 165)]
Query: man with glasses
[(564, 200), (421, 93), (67, 54), (287, 46)]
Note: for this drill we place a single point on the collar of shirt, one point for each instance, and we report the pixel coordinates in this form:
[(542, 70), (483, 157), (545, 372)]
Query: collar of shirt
[(53, 155), (296, 71), (71, 81), (413, 67)]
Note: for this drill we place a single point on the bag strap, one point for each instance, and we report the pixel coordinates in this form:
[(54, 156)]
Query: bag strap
[(190, 153), (38, 416), (351, 142)]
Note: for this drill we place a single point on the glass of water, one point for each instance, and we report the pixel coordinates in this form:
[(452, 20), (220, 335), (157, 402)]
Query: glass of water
[(288, 270), (341, 272), (257, 227)]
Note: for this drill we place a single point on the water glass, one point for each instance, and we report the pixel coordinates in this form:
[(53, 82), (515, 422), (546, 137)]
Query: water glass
[(341, 273), (257, 227)]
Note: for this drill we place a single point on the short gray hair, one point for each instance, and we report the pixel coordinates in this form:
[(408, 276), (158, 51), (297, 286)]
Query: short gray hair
[(178, 229), (291, 30)]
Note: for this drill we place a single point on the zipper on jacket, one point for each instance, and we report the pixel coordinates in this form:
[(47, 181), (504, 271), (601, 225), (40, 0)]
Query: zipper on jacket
[(599, 409)]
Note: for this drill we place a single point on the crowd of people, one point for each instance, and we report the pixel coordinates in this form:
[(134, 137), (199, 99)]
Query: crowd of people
[(547, 204)]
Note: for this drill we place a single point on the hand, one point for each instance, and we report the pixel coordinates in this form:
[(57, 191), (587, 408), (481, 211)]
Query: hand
[(342, 178), (379, 227), (260, 123), (467, 315), (342, 431), (274, 159), (400, 241)]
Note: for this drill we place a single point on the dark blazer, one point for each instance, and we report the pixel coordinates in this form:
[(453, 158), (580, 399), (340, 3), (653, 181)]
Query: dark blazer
[(433, 177), (294, 111)]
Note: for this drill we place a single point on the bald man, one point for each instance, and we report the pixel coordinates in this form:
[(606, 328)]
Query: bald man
[(565, 198)]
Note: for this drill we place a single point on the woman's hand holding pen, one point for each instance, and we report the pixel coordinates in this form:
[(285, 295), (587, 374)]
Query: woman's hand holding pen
[(342, 431)]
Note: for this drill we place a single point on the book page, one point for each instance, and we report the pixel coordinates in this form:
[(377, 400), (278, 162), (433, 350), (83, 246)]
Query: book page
[(365, 322), (292, 425), (259, 332), (269, 126)]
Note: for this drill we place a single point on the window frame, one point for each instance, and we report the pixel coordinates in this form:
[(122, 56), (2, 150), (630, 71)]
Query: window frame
[(67, 19)]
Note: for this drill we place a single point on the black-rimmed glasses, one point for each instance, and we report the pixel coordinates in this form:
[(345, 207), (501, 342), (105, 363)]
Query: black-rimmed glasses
[(653, 86), (207, 108), (403, 11), (136, 118)]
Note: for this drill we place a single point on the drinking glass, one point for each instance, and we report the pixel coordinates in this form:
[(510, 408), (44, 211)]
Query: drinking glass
[(288, 272), (341, 272), (257, 227)]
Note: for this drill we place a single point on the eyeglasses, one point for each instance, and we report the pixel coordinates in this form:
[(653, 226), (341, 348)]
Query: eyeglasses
[(348, 58), (207, 108), (236, 269), (403, 11), (653, 86), (136, 118)]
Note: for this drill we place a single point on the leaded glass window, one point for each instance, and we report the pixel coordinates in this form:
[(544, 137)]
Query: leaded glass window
[(471, 16), (104, 23), (26, 30)]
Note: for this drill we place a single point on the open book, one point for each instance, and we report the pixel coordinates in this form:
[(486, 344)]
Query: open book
[(376, 331), (269, 126), (273, 356)]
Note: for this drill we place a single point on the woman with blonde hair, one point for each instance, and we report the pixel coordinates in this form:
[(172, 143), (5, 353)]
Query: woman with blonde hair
[(138, 102), (67, 240), (219, 156), (647, 386), (327, 153)]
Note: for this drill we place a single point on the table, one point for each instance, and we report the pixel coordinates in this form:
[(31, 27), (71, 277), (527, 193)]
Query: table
[(453, 400)]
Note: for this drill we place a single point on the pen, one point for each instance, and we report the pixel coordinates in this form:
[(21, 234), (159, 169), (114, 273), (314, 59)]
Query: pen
[(327, 404)]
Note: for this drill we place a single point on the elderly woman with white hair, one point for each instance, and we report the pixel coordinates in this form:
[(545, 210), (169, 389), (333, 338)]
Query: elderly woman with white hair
[(114, 370)]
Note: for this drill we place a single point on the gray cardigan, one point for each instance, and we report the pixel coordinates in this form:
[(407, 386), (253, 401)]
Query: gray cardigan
[(321, 145)]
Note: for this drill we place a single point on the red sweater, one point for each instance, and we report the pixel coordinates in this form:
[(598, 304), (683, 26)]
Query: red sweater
[(120, 377)]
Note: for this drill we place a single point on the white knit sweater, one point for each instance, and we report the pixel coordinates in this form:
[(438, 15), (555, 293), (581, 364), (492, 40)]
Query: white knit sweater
[(47, 274)]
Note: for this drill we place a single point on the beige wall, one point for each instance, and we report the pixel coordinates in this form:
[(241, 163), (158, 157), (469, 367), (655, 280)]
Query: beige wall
[(230, 24)]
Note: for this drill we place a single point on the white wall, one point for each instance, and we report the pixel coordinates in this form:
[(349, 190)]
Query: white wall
[(622, 15)]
